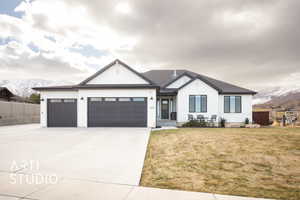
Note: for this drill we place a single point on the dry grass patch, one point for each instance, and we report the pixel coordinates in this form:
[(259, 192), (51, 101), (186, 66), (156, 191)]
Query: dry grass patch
[(247, 162)]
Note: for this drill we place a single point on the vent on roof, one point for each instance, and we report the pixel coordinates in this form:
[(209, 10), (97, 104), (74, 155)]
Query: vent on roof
[(175, 73)]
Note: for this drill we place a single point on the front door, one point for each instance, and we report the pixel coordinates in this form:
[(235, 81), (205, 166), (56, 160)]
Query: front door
[(165, 109)]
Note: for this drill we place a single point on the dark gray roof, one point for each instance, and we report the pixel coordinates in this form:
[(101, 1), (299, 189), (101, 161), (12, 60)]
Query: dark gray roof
[(165, 77), (7, 90), (157, 79)]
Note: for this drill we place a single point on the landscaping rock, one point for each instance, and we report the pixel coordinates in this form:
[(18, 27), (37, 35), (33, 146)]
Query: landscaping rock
[(252, 126)]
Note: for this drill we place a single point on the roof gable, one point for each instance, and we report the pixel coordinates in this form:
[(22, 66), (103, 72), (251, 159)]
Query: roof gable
[(116, 72), (179, 81), (164, 77)]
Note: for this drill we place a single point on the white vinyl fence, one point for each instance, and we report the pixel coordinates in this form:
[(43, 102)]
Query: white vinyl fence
[(18, 113)]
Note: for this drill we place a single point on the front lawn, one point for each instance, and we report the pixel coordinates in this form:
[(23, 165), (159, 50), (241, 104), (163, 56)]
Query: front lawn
[(262, 162)]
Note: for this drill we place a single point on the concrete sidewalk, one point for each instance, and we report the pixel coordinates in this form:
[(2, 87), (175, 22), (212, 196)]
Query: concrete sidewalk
[(76, 189)]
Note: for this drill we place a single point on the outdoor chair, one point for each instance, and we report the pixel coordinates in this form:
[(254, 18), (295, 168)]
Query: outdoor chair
[(212, 120), (190, 117), (201, 118)]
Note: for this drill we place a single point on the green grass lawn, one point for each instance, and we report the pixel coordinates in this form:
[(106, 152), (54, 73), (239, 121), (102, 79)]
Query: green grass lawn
[(262, 162)]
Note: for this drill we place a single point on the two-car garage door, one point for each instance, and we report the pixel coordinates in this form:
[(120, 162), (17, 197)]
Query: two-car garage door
[(117, 112), (101, 112)]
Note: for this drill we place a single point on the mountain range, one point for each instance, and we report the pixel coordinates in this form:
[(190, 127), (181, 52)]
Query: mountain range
[(284, 97)]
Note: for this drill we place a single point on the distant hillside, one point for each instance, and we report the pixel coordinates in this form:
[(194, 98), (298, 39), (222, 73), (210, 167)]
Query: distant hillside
[(287, 98)]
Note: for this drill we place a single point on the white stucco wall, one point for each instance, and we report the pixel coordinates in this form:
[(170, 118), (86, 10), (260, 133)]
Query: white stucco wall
[(178, 83), (117, 74), (52, 95), (215, 103), (82, 104), (197, 87), (237, 117)]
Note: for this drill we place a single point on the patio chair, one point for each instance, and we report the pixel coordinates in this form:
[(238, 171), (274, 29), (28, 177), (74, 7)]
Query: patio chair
[(201, 118), (212, 120), (190, 117)]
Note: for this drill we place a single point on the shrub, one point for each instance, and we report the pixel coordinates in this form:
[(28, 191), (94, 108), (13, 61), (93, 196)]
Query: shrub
[(246, 121), (195, 123), (222, 122)]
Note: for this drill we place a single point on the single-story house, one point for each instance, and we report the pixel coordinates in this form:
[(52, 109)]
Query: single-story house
[(119, 96)]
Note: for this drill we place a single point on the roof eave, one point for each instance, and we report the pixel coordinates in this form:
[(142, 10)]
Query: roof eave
[(249, 93)]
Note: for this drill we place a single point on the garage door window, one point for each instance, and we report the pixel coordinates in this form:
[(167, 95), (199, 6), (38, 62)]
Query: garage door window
[(96, 99), (69, 100), (138, 99), (55, 100), (110, 99), (124, 99)]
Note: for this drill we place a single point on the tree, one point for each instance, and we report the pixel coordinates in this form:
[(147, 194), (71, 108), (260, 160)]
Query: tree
[(35, 98)]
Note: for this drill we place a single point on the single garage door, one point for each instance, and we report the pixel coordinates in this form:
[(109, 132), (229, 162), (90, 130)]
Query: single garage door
[(62, 112), (117, 112)]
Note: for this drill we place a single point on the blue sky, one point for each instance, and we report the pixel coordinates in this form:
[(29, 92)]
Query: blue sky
[(8, 6)]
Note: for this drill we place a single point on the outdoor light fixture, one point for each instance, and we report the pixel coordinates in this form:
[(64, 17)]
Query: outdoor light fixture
[(42, 100), (81, 98), (151, 98)]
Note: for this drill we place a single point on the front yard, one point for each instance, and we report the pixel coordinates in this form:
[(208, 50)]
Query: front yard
[(261, 162)]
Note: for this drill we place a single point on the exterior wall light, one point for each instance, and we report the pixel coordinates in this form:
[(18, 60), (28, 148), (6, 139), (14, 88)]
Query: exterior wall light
[(42, 100), (81, 98)]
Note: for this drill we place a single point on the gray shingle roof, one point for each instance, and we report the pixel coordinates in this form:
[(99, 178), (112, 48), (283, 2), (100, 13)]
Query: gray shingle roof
[(163, 77)]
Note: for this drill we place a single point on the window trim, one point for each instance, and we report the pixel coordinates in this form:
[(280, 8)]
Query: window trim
[(235, 96), (194, 109)]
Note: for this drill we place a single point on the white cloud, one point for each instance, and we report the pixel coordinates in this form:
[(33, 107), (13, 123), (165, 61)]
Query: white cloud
[(123, 8), (68, 27)]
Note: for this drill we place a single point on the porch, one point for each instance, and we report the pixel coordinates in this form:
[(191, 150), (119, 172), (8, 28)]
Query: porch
[(166, 113)]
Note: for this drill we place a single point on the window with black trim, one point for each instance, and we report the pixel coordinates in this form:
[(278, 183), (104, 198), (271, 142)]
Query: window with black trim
[(198, 103), (232, 104)]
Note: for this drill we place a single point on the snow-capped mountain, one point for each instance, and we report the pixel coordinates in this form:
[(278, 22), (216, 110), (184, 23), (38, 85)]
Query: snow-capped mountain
[(272, 94), (23, 87)]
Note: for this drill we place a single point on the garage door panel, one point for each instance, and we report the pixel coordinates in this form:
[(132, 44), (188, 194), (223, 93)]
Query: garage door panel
[(117, 113), (62, 113)]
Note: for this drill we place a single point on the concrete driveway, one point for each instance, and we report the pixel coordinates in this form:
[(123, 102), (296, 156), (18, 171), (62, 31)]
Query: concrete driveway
[(108, 155)]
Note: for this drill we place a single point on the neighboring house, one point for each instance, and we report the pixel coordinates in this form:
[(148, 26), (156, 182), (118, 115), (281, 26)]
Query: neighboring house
[(118, 96), (5, 94)]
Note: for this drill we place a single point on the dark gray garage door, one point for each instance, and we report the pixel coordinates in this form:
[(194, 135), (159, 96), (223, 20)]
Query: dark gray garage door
[(117, 112), (62, 112)]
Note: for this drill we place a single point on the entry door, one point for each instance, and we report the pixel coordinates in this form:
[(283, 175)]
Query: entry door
[(165, 109)]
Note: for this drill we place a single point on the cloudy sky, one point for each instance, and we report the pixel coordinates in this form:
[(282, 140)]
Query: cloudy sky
[(253, 43)]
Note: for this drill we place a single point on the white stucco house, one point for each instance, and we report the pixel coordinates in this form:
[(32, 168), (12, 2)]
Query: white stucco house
[(119, 96)]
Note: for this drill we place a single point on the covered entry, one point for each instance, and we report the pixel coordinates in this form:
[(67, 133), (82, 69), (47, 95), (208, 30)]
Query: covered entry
[(62, 113), (117, 112)]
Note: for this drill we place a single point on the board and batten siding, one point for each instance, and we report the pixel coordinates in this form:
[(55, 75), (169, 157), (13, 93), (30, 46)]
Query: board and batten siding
[(197, 87), (215, 103), (237, 117), (117, 74), (178, 83)]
